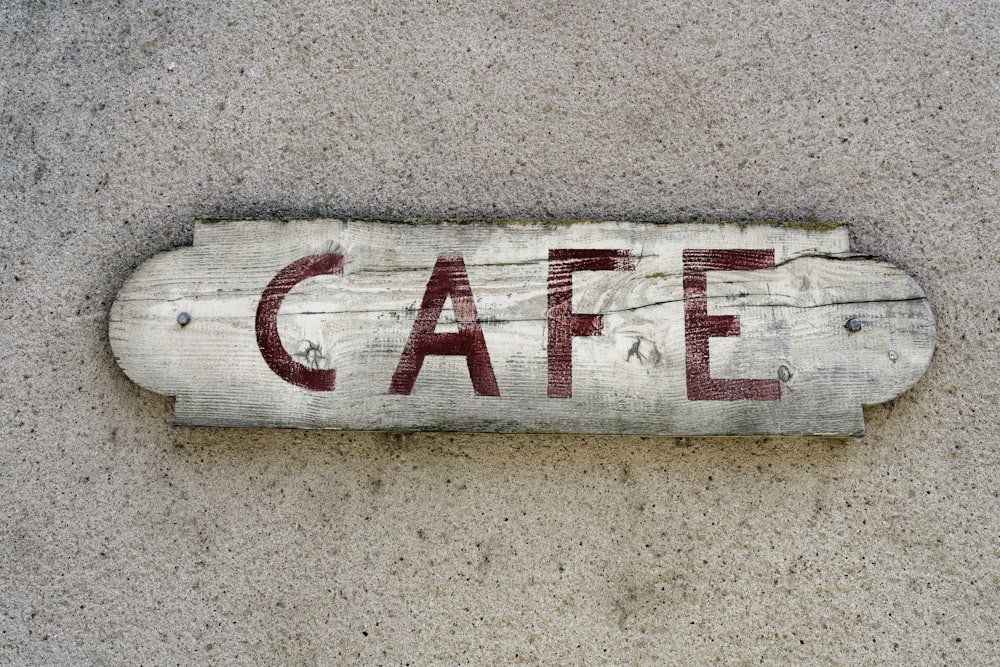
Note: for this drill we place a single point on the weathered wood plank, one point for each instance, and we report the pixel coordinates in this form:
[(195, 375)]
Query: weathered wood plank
[(505, 286)]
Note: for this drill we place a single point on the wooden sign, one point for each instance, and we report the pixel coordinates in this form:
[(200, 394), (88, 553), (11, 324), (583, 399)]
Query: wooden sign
[(518, 326)]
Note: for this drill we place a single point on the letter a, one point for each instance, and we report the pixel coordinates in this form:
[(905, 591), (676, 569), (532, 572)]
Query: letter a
[(447, 279)]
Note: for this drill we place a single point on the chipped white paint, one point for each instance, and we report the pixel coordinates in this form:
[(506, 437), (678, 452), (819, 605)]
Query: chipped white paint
[(635, 376)]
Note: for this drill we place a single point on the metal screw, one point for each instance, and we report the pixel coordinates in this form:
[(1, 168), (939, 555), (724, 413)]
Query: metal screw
[(784, 373), (853, 325), (183, 319)]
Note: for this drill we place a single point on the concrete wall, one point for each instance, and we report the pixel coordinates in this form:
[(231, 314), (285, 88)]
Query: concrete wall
[(125, 540)]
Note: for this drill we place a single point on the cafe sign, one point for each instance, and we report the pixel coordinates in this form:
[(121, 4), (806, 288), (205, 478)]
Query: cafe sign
[(523, 326)]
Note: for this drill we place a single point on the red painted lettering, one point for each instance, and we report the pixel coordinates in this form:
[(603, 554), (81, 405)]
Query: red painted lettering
[(268, 340), (563, 322), (447, 279), (699, 326)]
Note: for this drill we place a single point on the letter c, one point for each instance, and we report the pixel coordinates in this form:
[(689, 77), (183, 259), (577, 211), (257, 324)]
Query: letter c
[(268, 339)]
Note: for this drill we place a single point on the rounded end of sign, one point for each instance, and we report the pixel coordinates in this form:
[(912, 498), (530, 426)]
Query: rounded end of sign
[(904, 348), (149, 321)]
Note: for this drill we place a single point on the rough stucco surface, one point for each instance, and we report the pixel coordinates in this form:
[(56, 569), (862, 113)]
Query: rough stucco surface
[(125, 540)]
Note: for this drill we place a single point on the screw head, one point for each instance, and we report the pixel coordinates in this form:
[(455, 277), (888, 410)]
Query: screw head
[(853, 325), (183, 319)]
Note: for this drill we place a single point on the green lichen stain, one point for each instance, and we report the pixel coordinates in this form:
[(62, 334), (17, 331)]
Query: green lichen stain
[(814, 226), (498, 222), (558, 222), (804, 226), (819, 227), (432, 221)]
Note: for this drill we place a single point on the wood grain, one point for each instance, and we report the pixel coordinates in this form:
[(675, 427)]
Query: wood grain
[(629, 379)]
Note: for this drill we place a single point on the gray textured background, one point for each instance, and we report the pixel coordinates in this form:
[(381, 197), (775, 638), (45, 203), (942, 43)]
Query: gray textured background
[(126, 540)]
